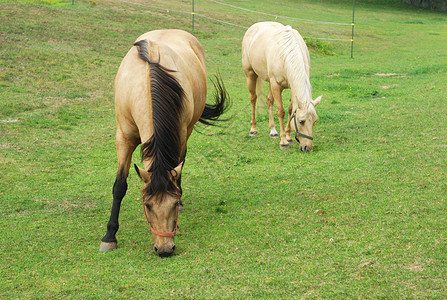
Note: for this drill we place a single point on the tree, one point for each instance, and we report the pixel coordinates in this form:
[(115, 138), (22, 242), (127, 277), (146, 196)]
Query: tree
[(440, 5)]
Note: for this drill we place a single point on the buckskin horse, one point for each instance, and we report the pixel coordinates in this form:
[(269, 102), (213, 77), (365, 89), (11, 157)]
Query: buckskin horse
[(160, 93), (278, 54)]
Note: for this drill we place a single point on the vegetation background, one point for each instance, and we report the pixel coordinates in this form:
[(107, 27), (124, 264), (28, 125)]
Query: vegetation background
[(363, 216)]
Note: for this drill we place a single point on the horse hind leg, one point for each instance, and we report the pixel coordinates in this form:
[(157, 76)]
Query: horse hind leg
[(252, 82), (280, 112), (124, 152), (273, 132)]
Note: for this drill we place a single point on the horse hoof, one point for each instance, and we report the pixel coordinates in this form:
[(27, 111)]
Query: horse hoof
[(107, 247), (253, 133), (274, 136), (284, 146)]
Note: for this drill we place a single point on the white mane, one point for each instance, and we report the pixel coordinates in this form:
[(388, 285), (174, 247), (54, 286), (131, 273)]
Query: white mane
[(296, 64)]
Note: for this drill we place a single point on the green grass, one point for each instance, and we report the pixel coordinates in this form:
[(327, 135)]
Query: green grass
[(363, 216)]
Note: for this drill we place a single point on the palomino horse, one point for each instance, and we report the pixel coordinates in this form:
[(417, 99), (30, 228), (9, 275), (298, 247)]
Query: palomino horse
[(160, 93), (278, 54)]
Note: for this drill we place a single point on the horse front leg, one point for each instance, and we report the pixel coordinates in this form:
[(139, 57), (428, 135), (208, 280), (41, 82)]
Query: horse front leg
[(179, 180), (288, 128), (280, 112), (273, 132), (124, 152)]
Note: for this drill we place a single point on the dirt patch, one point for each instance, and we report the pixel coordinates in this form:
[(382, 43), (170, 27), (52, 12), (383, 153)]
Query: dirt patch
[(388, 86), (390, 74), (9, 121)]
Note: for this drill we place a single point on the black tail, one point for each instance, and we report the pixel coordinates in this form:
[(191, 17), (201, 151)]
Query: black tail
[(212, 112)]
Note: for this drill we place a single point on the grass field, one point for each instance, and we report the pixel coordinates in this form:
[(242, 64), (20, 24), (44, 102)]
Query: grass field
[(363, 216)]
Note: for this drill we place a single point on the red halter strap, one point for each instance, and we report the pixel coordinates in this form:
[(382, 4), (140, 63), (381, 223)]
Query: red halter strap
[(159, 233)]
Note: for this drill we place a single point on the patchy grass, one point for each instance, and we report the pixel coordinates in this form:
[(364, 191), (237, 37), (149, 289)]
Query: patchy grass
[(361, 216)]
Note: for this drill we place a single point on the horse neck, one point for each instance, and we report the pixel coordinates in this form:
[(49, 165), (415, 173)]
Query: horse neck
[(296, 67), (301, 94), (162, 152)]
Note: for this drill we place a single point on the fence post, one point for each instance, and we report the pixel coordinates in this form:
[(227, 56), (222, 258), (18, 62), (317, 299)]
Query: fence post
[(352, 24), (192, 13)]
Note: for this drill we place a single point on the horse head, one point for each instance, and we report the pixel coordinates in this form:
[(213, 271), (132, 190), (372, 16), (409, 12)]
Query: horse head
[(303, 121), (161, 210)]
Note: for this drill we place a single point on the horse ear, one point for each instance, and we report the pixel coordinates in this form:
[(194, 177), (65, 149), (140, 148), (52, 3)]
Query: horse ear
[(176, 172), (317, 101), (143, 174)]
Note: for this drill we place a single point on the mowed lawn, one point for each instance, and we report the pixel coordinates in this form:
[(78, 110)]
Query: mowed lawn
[(362, 216)]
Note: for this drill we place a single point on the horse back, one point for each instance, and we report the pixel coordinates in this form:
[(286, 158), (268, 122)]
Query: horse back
[(175, 50), (264, 51), (258, 50)]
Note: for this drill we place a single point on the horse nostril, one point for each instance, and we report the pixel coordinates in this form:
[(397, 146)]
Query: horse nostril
[(173, 248), (155, 249)]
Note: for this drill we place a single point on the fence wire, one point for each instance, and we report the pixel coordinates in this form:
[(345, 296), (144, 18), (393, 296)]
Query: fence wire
[(201, 15), (279, 16)]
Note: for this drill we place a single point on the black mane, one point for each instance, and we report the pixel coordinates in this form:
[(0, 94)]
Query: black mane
[(167, 106)]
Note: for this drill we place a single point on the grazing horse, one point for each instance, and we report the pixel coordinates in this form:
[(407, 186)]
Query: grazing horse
[(278, 54), (160, 93)]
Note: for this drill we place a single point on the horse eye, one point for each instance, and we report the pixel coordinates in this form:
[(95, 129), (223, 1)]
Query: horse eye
[(148, 207), (302, 122)]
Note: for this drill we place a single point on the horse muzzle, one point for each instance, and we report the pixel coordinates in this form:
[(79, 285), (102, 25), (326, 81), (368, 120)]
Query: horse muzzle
[(165, 251), (306, 148)]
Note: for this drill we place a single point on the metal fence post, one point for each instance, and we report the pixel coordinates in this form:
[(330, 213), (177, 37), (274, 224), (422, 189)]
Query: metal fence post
[(352, 34), (192, 13)]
